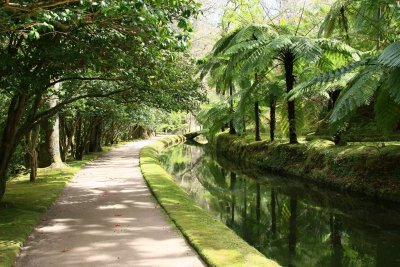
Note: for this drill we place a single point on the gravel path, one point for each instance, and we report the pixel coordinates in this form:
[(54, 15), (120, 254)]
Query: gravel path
[(107, 217)]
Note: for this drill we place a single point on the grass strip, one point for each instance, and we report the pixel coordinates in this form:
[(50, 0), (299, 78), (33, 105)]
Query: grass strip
[(215, 242), (25, 203)]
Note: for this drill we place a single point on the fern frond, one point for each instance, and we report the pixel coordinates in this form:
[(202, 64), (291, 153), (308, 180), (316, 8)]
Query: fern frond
[(335, 17), (244, 46), (224, 42), (250, 32), (387, 111), (391, 55), (394, 84), (214, 118), (315, 83), (338, 47), (360, 93), (259, 55), (306, 48)]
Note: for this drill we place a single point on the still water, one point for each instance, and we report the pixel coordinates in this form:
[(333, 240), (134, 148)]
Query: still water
[(289, 221)]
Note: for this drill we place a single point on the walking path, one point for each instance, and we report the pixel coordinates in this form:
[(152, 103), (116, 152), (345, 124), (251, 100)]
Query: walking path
[(107, 217)]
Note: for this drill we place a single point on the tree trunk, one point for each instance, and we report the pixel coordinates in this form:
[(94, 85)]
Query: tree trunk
[(232, 129), (9, 138), (289, 64), (50, 153), (272, 119), (80, 145), (67, 130), (257, 118), (31, 141), (140, 133), (334, 95), (95, 135)]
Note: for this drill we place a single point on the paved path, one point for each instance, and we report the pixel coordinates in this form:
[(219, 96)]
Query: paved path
[(107, 217)]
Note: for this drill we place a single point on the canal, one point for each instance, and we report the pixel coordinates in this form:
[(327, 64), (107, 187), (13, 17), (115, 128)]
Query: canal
[(289, 221)]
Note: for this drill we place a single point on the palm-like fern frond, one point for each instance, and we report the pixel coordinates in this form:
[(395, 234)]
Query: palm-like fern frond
[(391, 55), (336, 18), (214, 118), (307, 49), (224, 42), (317, 83), (338, 47), (387, 111), (359, 93), (393, 82)]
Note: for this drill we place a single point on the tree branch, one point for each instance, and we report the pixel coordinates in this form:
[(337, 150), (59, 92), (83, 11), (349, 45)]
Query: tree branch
[(85, 79), (40, 5)]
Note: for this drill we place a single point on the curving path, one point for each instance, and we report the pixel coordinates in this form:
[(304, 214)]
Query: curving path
[(107, 217)]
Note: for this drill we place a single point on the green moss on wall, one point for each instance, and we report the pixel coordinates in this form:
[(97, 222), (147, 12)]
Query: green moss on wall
[(365, 169)]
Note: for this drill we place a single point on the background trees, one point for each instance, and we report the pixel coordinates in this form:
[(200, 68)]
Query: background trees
[(76, 50)]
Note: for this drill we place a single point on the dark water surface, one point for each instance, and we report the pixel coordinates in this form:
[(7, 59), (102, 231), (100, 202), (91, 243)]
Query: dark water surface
[(289, 221)]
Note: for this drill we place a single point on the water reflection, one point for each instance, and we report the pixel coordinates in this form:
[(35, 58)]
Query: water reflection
[(293, 223)]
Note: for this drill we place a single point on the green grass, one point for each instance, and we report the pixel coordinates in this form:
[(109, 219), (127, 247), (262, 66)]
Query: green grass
[(24, 204), (216, 243)]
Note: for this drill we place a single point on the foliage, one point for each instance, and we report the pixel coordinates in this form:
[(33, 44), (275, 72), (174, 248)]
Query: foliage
[(78, 50)]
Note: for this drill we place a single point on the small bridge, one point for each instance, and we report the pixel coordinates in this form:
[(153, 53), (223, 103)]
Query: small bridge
[(192, 136)]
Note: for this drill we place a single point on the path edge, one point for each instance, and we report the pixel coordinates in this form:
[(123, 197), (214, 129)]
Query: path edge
[(12, 255), (216, 244)]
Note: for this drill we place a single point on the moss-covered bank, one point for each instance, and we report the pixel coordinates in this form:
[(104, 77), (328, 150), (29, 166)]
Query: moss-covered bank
[(215, 242), (368, 170)]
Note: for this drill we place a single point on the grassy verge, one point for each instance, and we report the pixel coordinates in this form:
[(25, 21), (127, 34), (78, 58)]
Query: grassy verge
[(24, 204), (363, 168), (216, 243)]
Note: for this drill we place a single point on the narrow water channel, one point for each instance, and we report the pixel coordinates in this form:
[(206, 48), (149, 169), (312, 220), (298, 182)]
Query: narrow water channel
[(296, 224)]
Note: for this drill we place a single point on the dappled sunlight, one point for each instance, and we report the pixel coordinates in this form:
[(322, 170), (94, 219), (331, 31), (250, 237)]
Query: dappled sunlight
[(107, 216), (56, 228), (113, 207)]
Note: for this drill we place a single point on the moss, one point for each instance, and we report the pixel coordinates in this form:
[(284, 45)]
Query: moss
[(24, 204), (216, 243), (361, 168)]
